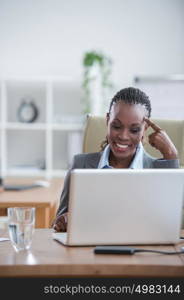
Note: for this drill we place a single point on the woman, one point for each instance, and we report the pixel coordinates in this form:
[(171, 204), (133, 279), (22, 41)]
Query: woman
[(127, 121)]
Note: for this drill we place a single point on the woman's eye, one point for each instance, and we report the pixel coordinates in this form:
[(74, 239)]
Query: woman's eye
[(116, 126), (135, 130)]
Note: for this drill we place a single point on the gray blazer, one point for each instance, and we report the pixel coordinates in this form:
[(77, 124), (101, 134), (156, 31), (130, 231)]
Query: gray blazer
[(91, 161)]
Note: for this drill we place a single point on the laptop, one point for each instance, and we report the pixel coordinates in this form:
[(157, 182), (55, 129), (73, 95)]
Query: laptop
[(123, 207)]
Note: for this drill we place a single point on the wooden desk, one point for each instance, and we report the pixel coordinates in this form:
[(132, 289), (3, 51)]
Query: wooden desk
[(48, 258), (45, 200)]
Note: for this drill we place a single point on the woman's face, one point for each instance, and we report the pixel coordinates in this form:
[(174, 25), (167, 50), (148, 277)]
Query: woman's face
[(125, 129)]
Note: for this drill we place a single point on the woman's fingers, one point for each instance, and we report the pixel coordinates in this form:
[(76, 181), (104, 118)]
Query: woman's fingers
[(61, 223), (161, 141), (155, 127), (154, 139), (57, 227)]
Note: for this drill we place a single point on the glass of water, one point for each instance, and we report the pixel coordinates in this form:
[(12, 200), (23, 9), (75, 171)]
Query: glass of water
[(21, 225)]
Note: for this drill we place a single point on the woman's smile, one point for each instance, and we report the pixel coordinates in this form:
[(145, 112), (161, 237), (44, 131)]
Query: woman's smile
[(126, 128), (121, 147)]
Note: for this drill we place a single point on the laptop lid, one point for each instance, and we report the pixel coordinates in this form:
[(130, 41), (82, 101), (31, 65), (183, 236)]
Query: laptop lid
[(125, 206)]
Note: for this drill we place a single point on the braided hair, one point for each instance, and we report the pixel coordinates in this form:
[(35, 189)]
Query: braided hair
[(130, 95)]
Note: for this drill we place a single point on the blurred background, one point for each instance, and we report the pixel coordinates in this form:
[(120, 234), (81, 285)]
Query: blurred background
[(63, 59)]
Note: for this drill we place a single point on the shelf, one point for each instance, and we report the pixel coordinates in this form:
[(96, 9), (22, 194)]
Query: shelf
[(26, 172), (36, 173), (68, 127), (66, 101), (18, 92), (25, 126), (42, 126), (53, 138)]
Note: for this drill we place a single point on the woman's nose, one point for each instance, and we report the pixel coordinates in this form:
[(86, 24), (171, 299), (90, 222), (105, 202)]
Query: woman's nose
[(124, 135)]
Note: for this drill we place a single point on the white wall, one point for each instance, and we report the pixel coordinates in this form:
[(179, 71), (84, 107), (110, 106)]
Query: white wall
[(49, 37)]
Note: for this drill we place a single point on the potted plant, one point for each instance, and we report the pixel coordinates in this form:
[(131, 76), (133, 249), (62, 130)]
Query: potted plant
[(96, 82)]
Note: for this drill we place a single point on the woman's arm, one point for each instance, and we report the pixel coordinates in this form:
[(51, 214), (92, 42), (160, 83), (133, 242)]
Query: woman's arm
[(161, 141), (60, 222)]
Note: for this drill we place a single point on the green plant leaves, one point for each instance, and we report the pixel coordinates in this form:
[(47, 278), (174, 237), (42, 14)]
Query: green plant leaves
[(104, 63)]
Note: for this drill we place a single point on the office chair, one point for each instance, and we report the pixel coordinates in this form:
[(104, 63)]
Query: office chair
[(95, 133)]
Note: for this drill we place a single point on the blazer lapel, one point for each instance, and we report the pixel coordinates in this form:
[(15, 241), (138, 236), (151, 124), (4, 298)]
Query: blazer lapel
[(94, 160)]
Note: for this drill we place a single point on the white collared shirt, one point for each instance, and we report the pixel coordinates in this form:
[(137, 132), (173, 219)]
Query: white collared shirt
[(137, 162)]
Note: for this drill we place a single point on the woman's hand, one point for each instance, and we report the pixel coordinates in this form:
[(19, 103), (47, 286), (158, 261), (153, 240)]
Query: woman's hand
[(60, 223), (161, 141)]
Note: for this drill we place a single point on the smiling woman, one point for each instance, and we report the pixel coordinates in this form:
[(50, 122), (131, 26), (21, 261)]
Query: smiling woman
[(125, 130), (127, 121)]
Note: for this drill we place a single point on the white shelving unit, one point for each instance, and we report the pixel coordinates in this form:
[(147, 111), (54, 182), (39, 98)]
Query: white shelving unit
[(44, 147)]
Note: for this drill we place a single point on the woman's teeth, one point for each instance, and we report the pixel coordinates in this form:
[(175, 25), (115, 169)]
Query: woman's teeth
[(122, 146)]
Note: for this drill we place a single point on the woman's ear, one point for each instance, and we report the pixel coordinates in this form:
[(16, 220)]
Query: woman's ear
[(146, 124), (144, 137), (107, 118), (146, 127)]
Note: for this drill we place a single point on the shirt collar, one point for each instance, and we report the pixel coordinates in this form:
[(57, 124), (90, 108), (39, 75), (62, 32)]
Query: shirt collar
[(104, 160), (137, 162)]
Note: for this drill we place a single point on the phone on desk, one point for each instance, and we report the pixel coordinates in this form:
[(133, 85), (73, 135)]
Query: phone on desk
[(113, 250)]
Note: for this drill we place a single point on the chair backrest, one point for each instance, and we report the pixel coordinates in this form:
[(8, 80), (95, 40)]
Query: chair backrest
[(95, 133)]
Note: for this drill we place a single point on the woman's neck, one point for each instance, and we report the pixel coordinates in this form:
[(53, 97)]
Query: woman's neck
[(120, 163)]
